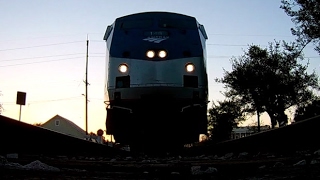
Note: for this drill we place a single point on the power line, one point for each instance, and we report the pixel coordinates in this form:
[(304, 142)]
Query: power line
[(209, 44), (260, 35), (53, 100), (39, 37), (100, 41), (45, 101), (40, 46), (215, 57), (40, 62), (214, 34), (19, 59), (40, 57)]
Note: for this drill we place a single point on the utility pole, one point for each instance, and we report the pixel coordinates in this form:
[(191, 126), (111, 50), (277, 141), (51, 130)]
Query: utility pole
[(258, 118), (86, 81)]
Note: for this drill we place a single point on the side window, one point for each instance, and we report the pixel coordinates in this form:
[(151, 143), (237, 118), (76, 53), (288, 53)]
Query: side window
[(203, 31), (57, 122), (109, 29)]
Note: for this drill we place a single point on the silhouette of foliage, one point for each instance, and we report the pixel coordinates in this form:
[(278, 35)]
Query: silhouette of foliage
[(308, 110), (305, 14), (224, 116), (270, 80), (37, 124), (1, 106)]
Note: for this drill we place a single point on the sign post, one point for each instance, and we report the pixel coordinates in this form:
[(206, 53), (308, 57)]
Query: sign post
[(21, 100)]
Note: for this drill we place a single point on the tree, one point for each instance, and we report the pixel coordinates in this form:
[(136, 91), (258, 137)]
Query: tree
[(37, 124), (305, 14), (270, 80), (1, 107), (224, 116), (309, 110)]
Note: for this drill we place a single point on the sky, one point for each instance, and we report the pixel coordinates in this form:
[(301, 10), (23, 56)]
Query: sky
[(43, 49)]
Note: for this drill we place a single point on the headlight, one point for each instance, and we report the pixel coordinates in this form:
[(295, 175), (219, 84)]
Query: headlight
[(162, 54), (150, 54), (190, 67), (123, 68)]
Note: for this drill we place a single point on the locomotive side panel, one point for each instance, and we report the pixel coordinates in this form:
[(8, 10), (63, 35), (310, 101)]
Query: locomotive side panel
[(108, 38)]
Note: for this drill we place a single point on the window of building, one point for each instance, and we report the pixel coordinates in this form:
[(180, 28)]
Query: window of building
[(57, 122)]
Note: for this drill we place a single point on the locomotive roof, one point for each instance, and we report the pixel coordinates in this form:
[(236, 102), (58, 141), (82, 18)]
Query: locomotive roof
[(148, 15), (156, 14)]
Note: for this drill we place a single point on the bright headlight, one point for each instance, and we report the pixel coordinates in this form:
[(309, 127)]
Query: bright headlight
[(190, 67), (123, 68), (150, 54), (162, 53)]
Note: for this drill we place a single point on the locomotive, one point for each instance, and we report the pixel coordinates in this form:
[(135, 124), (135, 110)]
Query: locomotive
[(156, 87)]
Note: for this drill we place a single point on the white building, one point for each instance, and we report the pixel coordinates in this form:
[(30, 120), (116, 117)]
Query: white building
[(64, 126), (67, 127), (240, 132)]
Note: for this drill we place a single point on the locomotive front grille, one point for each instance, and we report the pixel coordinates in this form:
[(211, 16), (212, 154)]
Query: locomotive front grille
[(190, 81), (123, 82)]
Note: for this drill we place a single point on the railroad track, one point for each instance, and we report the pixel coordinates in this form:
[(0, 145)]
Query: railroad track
[(298, 136), (25, 139), (19, 137), (204, 167), (284, 153)]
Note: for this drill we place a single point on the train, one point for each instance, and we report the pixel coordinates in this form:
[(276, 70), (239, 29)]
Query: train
[(156, 87)]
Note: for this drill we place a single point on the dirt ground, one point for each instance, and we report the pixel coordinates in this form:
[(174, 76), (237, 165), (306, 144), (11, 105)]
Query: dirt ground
[(270, 168)]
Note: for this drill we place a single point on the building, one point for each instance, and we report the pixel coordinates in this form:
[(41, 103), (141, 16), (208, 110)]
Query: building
[(64, 126), (67, 127), (240, 132)]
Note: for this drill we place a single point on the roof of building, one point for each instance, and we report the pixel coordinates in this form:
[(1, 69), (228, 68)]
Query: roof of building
[(72, 124)]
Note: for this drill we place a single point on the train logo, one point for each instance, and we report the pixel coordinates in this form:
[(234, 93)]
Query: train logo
[(155, 39)]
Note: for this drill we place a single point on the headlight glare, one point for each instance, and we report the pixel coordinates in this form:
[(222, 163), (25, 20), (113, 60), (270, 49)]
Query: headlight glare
[(190, 67), (162, 54), (150, 54), (123, 68)]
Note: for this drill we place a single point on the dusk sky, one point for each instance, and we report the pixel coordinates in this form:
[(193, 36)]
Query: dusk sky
[(43, 49)]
